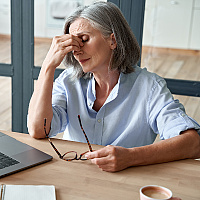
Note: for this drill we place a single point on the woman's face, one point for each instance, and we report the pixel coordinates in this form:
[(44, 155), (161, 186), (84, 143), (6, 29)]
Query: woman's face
[(94, 56)]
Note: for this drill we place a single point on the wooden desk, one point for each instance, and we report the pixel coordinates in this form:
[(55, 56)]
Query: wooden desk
[(83, 180)]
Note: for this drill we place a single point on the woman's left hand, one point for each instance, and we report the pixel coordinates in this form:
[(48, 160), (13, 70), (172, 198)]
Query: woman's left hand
[(110, 158)]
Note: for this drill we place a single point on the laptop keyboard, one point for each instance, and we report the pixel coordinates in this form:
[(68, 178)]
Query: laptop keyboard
[(6, 161)]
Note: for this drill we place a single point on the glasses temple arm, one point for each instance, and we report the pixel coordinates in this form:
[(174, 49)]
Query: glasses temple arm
[(79, 118), (50, 140)]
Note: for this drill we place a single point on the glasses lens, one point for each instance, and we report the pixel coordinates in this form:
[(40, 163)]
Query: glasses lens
[(71, 155)]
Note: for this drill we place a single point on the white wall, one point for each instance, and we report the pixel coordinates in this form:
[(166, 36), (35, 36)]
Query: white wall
[(172, 24), (45, 24), (5, 25), (168, 23)]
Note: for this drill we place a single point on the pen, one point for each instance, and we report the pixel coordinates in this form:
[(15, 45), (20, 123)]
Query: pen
[(2, 189)]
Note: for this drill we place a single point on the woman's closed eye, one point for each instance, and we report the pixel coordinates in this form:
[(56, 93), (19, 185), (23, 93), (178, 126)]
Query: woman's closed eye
[(85, 38)]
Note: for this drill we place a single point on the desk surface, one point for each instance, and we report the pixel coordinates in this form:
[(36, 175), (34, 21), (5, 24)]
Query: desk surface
[(83, 180)]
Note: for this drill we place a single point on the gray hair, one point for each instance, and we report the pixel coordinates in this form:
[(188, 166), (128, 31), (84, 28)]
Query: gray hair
[(107, 18)]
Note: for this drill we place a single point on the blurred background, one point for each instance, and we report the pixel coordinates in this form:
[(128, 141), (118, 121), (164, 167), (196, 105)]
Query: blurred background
[(170, 46)]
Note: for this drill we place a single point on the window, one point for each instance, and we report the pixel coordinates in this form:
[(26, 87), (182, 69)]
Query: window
[(5, 65), (171, 47)]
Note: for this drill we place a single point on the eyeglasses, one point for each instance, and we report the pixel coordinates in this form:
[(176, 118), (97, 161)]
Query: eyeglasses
[(70, 155)]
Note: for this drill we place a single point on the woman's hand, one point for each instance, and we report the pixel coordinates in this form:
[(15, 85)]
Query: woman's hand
[(41, 99), (61, 45), (110, 158)]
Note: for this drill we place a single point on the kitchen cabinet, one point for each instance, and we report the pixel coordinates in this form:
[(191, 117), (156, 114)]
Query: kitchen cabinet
[(5, 23), (172, 24), (194, 42)]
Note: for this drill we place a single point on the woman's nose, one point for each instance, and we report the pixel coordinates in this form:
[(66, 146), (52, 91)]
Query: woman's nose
[(79, 52)]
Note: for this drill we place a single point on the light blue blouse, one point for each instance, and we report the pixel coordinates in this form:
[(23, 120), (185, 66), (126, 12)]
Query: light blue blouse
[(138, 108)]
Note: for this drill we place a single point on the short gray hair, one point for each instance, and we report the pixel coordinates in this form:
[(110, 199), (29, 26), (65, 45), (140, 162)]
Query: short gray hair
[(107, 18)]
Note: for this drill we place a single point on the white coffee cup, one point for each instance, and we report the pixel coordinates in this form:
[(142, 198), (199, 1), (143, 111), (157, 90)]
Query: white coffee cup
[(155, 192)]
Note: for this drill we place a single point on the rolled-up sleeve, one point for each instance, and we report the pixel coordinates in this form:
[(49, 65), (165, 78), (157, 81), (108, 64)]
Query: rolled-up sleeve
[(59, 105), (167, 116)]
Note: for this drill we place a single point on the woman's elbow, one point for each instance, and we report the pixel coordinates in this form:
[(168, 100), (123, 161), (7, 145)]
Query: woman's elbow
[(36, 132), (197, 147), (195, 144)]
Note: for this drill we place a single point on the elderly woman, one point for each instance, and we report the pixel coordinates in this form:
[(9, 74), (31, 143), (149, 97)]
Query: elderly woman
[(122, 106)]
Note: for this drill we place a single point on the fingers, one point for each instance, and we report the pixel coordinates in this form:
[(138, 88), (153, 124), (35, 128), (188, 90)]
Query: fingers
[(109, 158), (98, 154), (68, 41), (100, 157), (61, 45)]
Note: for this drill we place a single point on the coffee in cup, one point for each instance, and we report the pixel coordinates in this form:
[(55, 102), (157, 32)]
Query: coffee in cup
[(154, 192)]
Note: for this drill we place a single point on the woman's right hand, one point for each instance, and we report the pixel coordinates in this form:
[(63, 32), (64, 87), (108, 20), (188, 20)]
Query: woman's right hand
[(61, 45)]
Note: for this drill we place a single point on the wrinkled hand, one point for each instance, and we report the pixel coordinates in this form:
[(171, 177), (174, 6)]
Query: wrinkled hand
[(110, 158), (61, 45)]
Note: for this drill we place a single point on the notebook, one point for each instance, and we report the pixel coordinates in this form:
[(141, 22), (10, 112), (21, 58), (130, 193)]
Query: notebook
[(16, 156), (27, 192)]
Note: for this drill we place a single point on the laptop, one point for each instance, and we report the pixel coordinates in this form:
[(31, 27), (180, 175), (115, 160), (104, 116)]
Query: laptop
[(16, 156)]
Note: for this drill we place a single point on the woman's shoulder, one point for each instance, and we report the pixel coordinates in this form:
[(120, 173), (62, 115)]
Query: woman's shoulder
[(144, 73), (144, 76), (66, 76), (66, 73)]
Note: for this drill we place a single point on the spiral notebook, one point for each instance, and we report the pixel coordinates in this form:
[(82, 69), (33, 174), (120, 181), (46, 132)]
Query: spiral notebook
[(27, 192)]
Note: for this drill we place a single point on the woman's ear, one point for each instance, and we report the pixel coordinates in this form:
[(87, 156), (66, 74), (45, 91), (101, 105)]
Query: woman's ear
[(113, 43)]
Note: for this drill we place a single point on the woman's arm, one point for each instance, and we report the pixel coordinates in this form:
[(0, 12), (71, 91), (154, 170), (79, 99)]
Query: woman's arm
[(113, 158), (40, 106)]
